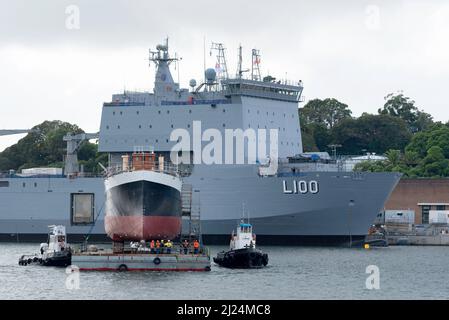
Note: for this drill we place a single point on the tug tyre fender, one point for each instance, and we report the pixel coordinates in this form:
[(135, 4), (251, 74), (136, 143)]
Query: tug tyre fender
[(123, 268), (157, 261)]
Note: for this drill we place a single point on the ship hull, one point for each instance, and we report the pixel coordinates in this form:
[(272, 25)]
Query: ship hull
[(142, 205), (324, 218)]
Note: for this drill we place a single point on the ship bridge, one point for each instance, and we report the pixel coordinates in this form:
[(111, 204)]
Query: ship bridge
[(283, 91)]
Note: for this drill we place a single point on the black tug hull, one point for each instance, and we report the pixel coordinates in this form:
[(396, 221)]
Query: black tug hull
[(61, 259), (248, 258)]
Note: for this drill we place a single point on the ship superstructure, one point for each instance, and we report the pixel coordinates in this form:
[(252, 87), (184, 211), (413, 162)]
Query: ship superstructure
[(292, 196)]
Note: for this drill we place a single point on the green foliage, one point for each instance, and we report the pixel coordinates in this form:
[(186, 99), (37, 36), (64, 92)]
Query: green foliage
[(399, 106), (327, 112), (317, 118), (427, 155), (373, 133), (44, 147)]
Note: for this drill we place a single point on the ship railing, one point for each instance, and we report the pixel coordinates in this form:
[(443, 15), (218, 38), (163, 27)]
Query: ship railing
[(165, 167)]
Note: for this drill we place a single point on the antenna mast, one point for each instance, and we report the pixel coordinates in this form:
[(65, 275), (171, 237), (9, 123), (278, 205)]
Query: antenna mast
[(221, 67), (239, 66), (161, 54), (255, 68)]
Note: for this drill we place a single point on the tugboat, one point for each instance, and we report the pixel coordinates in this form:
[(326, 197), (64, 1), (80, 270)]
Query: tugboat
[(55, 252), (377, 237), (243, 253)]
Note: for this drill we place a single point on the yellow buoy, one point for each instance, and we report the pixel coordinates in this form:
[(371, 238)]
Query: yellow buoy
[(366, 246)]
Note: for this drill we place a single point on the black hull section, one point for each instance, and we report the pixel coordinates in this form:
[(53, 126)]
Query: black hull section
[(143, 198), (242, 259), (59, 259)]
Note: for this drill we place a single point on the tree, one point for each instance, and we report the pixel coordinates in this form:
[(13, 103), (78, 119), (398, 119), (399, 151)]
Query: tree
[(374, 133), (44, 146), (435, 164), (400, 106), (327, 112), (421, 142)]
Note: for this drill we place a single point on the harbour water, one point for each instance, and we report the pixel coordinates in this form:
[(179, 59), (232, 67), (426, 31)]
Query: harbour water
[(293, 273)]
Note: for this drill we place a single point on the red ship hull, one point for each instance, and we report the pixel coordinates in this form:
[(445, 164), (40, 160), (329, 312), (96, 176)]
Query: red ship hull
[(136, 228)]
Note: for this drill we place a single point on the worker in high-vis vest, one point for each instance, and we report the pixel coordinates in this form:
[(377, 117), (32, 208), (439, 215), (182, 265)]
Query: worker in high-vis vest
[(152, 246), (169, 246), (196, 247)]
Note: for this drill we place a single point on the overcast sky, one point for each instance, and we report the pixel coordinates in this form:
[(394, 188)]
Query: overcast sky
[(355, 51)]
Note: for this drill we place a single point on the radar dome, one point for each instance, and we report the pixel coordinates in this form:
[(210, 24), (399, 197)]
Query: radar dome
[(210, 75), (192, 83)]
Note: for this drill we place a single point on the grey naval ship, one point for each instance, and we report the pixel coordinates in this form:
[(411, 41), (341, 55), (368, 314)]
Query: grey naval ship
[(299, 199)]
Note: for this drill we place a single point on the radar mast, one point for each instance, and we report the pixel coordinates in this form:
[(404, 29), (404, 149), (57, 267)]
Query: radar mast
[(163, 83)]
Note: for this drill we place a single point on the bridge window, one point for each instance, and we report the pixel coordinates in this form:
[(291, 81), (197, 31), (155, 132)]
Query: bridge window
[(82, 208), (4, 184)]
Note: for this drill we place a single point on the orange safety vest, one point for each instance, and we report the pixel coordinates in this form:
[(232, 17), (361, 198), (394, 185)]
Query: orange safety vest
[(196, 244), (158, 244)]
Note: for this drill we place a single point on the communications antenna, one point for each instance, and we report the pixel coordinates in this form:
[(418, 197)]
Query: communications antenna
[(239, 65), (255, 68), (221, 67)]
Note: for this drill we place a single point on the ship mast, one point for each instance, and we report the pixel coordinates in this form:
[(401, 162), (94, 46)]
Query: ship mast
[(221, 67), (255, 66), (163, 83), (239, 65)]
